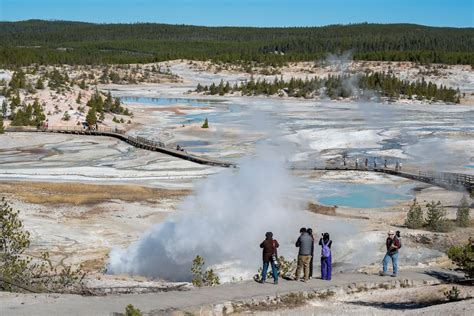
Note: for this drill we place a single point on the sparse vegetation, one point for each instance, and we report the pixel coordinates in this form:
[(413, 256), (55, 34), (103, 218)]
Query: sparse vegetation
[(19, 272), (325, 295), (452, 294), (203, 277), (436, 218), (130, 310), (463, 257), (415, 216), (52, 193), (462, 215)]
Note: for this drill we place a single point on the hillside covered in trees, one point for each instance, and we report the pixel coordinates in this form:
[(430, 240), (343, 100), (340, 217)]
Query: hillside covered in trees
[(61, 42)]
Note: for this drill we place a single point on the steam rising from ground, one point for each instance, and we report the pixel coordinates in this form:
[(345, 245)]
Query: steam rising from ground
[(224, 221)]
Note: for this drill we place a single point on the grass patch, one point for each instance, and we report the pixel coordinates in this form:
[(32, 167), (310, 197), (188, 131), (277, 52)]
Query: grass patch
[(47, 193)]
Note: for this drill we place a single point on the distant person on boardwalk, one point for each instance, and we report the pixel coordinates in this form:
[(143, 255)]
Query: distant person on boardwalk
[(385, 163), (326, 258), (366, 162), (375, 162), (310, 232), (270, 256), (357, 163), (304, 243), (397, 166), (393, 244)]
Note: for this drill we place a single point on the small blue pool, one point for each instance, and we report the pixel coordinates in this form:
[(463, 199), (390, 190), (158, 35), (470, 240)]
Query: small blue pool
[(364, 195), (167, 101)]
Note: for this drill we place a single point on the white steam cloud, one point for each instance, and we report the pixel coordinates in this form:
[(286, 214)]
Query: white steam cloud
[(224, 221)]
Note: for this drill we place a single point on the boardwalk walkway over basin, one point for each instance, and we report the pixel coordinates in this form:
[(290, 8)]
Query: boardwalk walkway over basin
[(447, 180), (137, 141)]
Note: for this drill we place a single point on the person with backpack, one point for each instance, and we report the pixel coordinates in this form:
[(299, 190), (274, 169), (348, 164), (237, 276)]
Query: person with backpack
[(269, 255), (304, 243), (326, 259), (310, 232), (392, 244)]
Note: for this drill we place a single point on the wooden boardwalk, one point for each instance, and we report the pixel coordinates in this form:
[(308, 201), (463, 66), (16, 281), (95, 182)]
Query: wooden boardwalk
[(451, 181), (447, 180), (138, 142)]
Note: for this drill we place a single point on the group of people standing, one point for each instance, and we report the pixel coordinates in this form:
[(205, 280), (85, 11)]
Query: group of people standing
[(305, 244)]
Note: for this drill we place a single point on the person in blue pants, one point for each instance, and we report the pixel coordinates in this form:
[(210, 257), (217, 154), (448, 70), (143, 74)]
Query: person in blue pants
[(269, 256), (393, 244), (326, 258)]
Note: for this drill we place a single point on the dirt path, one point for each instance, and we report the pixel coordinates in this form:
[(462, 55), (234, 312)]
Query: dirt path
[(214, 299)]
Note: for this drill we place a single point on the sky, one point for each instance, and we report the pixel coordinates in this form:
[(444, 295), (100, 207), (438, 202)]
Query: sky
[(454, 13)]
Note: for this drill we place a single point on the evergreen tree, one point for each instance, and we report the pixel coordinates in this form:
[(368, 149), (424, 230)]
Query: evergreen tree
[(206, 124), (414, 216), (462, 214), (78, 100), (82, 84), (39, 84), (91, 117), (2, 127), (436, 217)]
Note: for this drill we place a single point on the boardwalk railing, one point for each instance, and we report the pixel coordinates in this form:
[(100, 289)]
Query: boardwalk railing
[(136, 141), (448, 180)]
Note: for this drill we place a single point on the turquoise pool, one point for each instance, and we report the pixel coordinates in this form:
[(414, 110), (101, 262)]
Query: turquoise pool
[(167, 101), (364, 195)]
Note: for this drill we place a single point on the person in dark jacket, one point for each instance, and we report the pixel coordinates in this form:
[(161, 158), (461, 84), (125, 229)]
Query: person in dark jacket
[(304, 243), (326, 258), (310, 232), (392, 244), (269, 255)]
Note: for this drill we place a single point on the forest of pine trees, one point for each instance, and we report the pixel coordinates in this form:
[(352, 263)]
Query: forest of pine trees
[(339, 86), (98, 107), (62, 42)]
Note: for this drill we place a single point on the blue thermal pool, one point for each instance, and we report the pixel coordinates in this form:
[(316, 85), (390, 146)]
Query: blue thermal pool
[(364, 195), (167, 101)]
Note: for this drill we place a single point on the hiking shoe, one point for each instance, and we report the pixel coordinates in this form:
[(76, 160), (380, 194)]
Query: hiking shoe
[(394, 275), (381, 273), (276, 282)]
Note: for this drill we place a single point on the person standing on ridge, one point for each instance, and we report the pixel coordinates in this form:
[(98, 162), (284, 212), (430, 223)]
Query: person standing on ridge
[(393, 244), (326, 259), (269, 246), (304, 244), (310, 232)]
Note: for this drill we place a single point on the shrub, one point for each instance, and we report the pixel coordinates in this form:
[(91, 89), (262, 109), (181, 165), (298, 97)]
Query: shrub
[(201, 277), (453, 294), (22, 272), (463, 257), (206, 124), (436, 218), (66, 116), (414, 216), (130, 310), (462, 214)]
